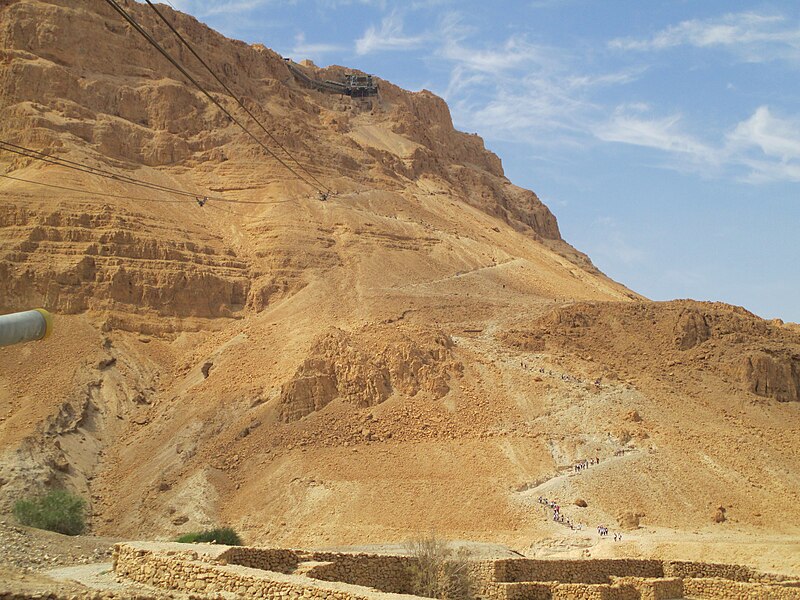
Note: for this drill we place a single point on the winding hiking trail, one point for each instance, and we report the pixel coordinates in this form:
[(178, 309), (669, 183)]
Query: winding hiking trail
[(567, 473), (570, 429)]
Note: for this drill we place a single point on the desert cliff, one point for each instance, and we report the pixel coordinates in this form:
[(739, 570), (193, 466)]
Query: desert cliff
[(421, 351)]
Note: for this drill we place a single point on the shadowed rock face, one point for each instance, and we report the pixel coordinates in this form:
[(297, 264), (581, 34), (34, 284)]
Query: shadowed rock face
[(339, 367), (692, 329), (775, 375)]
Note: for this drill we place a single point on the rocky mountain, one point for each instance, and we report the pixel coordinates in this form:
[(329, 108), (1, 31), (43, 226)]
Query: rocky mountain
[(419, 351)]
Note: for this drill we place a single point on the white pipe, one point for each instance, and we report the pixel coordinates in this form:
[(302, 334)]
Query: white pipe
[(25, 326)]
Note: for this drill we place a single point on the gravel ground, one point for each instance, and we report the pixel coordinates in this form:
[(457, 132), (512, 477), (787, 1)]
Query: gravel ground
[(50, 566), (32, 550)]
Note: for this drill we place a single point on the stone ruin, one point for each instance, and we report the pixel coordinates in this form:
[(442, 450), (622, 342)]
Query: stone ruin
[(275, 573)]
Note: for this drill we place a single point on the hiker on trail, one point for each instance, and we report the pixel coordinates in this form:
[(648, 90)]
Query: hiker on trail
[(203, 201)]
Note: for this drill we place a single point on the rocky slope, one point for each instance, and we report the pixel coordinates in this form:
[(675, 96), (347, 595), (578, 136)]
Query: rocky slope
[(422, 351)]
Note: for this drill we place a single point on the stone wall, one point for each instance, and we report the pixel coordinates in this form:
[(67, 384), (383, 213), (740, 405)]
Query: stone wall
[(693, 569), (717, 587), (665, 588), (382, 572), (701, 570), (622, 588), (88, 595), (190, 572), (575, 571), (518, 591), (283, 574), (268, 559)]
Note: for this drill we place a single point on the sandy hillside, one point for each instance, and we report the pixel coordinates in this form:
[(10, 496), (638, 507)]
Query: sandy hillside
[(420, 351)]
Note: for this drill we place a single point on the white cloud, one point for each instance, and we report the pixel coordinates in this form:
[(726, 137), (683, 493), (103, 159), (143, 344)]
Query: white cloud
[(538, 98), (754, 36), (518, 90), (603, 79), (525, 111), (209, 8), (660, 133), (546, 4), (429, 4), (776, 137), (512, 54), (768, 145), (390, 36), (206, 8), (302, 49), (614, 247), (330, 4), (762, 171)]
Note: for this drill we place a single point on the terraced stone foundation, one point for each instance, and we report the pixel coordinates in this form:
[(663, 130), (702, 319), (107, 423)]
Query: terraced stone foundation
[(289, 573)]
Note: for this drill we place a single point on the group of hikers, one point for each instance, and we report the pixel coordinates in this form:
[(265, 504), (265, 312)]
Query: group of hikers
[(603, 531), (585, 464), (563, 376), (559, 517)]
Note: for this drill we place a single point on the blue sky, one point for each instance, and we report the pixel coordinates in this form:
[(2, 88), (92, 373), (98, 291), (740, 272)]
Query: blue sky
[(665, 136)]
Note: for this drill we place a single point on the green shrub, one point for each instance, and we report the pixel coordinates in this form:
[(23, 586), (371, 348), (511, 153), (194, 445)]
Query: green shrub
[(57, 511), (439, 572), (224, 536)]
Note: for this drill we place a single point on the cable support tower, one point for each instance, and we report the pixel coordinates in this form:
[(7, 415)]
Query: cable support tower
[(135, 24), (232, 94), (84, 168)]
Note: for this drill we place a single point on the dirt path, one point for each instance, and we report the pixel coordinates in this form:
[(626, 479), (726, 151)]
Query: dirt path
[(566, 474), (98, 576)]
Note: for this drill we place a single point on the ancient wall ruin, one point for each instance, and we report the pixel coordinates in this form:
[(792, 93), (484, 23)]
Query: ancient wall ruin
[(283, 574), (575, 571)]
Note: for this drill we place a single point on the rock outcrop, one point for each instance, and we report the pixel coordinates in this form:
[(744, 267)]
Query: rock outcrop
[(406, 363), (664, 339)]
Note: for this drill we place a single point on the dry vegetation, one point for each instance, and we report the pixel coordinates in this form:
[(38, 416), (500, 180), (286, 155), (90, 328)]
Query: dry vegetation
[(439, 571)]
